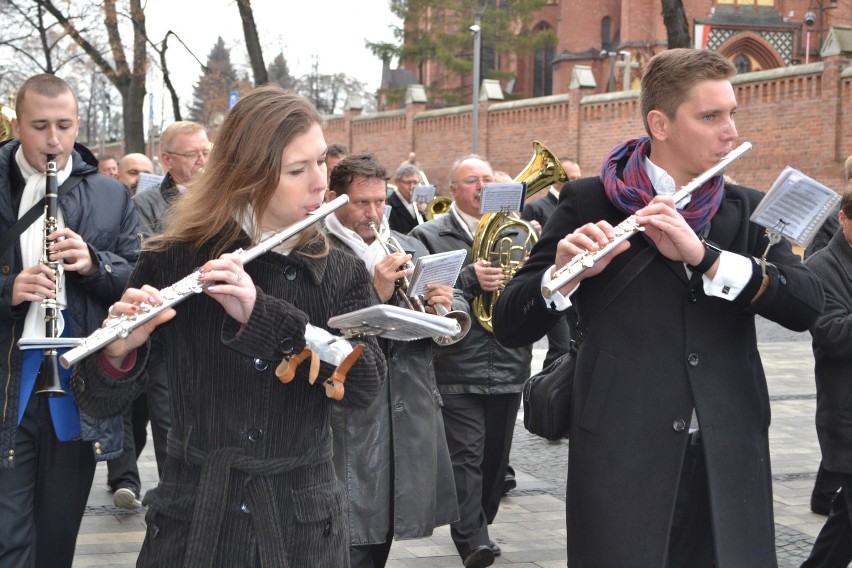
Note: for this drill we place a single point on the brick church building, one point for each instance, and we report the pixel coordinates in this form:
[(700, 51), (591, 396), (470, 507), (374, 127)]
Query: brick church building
[(608, 41)]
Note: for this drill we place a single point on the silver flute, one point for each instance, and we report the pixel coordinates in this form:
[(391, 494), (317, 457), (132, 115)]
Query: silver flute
[(630, 227), (121, 326)]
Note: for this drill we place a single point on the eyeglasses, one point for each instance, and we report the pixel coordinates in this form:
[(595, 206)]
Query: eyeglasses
[(407, 181), (192, 156), (471, 181)]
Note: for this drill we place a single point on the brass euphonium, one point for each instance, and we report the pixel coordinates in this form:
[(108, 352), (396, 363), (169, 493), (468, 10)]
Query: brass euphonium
[(504, 239), (49, 383), (414, 303), (437, 207), (7, 114)]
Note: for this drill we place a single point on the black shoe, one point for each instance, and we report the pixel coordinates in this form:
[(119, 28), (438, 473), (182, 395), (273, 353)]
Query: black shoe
[(479, 557), (821, 506), (509, 482), (494, 548)]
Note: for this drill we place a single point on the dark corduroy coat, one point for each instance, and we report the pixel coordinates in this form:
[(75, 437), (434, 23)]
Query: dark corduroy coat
[(661, 347), (832, 342), (248, 480)]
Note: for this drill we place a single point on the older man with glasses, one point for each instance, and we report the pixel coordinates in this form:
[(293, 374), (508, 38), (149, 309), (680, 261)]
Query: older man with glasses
[(480, 381), (404, 214)]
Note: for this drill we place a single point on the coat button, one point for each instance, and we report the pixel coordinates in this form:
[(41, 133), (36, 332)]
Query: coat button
[(692, 360), (287, 346), (693, 296), (291, 272), (108, 267), (254, 434), (244, 507), (6, 269), (679, 425), (261, 365), (782, 279)]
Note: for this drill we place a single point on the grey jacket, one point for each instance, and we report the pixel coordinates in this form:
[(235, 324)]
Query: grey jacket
[(478, 363), (832, 343), (397, 444), (152, 205), (99, 209)]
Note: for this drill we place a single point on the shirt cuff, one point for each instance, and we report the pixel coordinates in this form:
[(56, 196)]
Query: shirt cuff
[(114, 372), (732, 276), (557, 302)]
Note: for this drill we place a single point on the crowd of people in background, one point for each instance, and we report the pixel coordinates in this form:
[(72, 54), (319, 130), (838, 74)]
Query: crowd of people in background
[(249, 444)]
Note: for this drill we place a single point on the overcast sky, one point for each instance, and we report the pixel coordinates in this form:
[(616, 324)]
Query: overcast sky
[(332, 31)]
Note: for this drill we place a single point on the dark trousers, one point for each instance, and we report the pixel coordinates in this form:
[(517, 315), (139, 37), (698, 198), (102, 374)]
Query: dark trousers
[(43, 497), (833, 546), (153, 405), (479, 431), (825, 487), (370, 555), (691, 539)]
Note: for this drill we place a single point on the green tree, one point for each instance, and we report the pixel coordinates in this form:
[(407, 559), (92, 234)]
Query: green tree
[(210, 95), (279, 73), (438, 31)]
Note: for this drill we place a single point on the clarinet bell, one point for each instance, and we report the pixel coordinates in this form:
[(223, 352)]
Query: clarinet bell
[(49, 383)]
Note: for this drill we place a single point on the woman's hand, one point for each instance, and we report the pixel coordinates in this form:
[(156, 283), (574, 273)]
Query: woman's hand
[(129, 305), (227, 283)]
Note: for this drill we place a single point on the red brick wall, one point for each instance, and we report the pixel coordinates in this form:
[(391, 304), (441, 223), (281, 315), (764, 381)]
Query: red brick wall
[(799, 116)]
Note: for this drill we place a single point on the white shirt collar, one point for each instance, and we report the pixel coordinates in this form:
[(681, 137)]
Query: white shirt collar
[(663, 183)]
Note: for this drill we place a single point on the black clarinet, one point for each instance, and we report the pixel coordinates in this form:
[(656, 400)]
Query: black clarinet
[(49, 383)]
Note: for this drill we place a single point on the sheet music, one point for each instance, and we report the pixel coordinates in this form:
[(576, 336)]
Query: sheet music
[(505, 197), (423, 193), (795, 206), (148, 181), (393, 322), (438, 268)]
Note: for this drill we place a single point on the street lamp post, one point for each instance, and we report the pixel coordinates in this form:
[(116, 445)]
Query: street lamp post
[(478, 9)]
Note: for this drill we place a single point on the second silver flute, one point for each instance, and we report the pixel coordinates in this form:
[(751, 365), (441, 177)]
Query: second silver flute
[(120, 327), (630, 227)]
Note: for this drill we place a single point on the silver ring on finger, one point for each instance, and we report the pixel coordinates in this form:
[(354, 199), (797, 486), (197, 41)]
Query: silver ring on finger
[(239, 276), (110, 311)]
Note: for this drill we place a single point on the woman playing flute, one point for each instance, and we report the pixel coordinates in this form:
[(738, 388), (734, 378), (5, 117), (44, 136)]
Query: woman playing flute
[(248, 480)]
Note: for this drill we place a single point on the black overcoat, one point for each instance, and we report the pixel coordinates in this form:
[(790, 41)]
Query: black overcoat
[(832, 343), (659, 346)]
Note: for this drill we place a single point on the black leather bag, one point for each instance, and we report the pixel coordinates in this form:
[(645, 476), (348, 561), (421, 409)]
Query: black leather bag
[(547, 398), (547, 394)]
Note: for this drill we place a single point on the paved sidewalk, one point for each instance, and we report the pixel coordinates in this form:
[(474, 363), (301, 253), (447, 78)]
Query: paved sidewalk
[(530, 527)]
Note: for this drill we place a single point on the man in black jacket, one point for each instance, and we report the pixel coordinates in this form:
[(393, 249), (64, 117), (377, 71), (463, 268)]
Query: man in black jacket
[(48, 446), (669, 415), (479, 379)]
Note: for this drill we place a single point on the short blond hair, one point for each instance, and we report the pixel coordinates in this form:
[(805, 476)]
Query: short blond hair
[(167, 138)]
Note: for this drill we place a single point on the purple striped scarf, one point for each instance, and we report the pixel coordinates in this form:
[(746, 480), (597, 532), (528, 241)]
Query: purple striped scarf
[(634, 191)]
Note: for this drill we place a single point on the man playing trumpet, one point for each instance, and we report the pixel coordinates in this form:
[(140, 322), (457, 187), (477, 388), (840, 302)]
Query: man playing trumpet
[(392, 455), (669, 418)]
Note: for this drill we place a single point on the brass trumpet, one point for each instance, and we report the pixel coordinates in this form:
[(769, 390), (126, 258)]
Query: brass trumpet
[(416, 303)]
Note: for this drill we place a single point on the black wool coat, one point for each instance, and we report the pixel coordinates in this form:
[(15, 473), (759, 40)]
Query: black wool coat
[(661, 348), (832, 344)]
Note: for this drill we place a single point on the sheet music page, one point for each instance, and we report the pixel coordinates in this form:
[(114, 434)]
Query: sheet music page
[(439, 268), (423, 193), (795, 206), (148, 181), (497, 197), (393, 322)]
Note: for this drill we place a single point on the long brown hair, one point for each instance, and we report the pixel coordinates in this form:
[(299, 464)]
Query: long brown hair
[(243, 172)]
